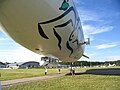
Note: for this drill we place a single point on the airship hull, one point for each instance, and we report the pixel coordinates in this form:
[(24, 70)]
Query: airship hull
[(47, 27)]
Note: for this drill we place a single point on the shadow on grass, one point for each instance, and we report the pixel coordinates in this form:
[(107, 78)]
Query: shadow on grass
[(106, 71)]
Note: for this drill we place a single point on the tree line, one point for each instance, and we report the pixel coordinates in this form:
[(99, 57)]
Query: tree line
[(89, 63)]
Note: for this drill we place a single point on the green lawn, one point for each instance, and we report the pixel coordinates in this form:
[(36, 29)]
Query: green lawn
[(77, 82), (23, 73)]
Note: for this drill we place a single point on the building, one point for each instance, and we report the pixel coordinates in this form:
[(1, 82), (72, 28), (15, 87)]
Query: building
[(12, 65), (2, 65), (50, 62), (30, 64)]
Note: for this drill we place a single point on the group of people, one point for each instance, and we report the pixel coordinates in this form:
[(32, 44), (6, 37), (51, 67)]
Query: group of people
[(72, 70), (47, 71)]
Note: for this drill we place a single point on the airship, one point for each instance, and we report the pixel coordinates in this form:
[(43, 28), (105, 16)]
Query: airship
[(46, 27)]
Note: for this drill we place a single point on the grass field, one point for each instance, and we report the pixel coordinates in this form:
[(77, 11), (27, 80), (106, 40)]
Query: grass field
[(76, 82), (24, 73)]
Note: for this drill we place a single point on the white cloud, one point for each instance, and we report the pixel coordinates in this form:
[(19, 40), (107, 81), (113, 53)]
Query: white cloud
[(104, 46), (101, 30), (113, 58), (92, 30), (4, 39), (18, 55), (88, 15), (78, 2)]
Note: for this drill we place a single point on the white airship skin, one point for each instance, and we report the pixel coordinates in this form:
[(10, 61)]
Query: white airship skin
[(47, 27)]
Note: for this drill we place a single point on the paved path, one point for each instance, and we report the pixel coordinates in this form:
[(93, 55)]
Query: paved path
[(16, 81)]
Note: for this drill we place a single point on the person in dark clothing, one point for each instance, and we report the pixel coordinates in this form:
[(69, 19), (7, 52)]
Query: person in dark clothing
[(59, 70)]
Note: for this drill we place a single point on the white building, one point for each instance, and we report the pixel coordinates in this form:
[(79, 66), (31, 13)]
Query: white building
[(30, 64), (49, 62)]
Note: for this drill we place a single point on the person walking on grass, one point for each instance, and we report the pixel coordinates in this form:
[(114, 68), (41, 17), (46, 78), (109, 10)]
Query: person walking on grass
[(45, 71), (59, 70)]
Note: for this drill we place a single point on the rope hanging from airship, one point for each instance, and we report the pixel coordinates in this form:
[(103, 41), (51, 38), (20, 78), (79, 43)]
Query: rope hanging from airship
[(72, 39)]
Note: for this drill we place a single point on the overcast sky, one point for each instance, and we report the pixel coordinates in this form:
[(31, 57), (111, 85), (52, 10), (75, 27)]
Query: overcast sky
[(100, 21)]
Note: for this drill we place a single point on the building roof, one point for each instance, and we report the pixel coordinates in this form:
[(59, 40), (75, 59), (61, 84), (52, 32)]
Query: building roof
[(21, 63), (2, 63)]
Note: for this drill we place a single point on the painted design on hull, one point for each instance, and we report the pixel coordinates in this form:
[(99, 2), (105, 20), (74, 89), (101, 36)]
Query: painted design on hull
[(60, 26), (72, 41), (41, 32), (64, 5), (68, 46), (59, 38)]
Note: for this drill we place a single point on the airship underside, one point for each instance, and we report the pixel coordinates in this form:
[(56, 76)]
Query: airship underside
[(47, 27)]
